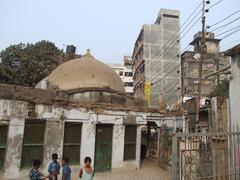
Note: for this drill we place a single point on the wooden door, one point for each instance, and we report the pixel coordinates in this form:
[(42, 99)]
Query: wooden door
[(103, 148)]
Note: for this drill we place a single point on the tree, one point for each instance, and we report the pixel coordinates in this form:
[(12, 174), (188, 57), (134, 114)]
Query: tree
[(221, 90), (27, 64)]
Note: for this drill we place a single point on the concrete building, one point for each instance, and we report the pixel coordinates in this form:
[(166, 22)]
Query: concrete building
[(125, 71), (81, 109), (156, 59), (213, 61), (234, 85)]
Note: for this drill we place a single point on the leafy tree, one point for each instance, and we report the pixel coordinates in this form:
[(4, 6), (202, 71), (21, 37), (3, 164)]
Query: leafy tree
[(27, 64), (221, 90)]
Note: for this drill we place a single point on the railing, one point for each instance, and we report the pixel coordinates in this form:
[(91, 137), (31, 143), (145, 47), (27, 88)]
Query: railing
[(206, 156)]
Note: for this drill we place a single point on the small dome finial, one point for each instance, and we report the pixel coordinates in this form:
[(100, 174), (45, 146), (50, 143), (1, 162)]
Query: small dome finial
[(88, 52)]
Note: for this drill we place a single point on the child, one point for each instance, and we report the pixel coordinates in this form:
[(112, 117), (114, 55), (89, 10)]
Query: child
[(66, 172), (86, 173), (54, 167), (34, 173)]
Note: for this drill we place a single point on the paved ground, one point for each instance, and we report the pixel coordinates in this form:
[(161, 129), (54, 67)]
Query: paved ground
[(148, 171)]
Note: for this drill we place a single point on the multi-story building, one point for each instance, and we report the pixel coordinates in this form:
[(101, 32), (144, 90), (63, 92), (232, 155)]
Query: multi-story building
[(213, 61), (126, 73), (156, 59)]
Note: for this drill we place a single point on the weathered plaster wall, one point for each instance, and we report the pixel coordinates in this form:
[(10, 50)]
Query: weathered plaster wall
[(15, 111), (55, 116), (234, 94), (219, 114)]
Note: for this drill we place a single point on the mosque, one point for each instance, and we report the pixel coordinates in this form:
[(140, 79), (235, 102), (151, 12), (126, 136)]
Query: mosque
[(81, 109)]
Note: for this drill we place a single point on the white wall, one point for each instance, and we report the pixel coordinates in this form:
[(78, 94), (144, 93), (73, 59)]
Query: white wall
[(234, 91)]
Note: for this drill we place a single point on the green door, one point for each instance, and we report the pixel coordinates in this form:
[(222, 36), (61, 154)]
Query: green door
[(103, 148)]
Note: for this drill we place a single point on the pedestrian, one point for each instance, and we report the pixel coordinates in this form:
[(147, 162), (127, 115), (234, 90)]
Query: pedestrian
[(54, 167), (66, 172), (34, 173), (87, 172)]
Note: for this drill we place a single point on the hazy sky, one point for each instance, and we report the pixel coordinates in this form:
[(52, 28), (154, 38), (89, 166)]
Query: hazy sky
[(108, 27)]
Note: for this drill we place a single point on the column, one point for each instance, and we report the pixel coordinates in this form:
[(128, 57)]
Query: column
[(118, 146), (18, 113), (88, 141), (53, 141)]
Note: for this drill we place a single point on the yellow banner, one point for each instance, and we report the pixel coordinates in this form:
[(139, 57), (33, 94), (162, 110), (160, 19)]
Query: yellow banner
[(147, 91)]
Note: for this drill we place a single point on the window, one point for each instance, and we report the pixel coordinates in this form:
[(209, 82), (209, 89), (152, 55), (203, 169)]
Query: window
[(33, 140), (128, 74), (128, 84), (72, 142), (170, 16), (3, 143), (120, 73), (142, 68), (130, 142)]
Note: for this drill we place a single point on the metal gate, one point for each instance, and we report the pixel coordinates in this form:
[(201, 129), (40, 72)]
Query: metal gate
[(206, 156)]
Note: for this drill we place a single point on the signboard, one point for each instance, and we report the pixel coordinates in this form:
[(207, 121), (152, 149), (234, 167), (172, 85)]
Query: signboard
[(147, 91)]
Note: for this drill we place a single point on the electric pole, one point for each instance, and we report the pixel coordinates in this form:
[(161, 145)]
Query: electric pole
[(202, 51)]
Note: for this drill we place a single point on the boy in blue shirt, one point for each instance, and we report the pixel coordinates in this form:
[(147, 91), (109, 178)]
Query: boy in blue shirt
[(34, 173), (54, 167), (66, 172)]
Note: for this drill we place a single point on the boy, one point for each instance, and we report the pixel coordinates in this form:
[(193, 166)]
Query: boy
[(34, 173), (54, 167), (66, 172), (86, 173)]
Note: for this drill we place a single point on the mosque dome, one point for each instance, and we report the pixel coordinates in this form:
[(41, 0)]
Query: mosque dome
[(84, 72)]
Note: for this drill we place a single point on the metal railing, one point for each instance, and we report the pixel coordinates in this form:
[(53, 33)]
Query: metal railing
[(206, 156)]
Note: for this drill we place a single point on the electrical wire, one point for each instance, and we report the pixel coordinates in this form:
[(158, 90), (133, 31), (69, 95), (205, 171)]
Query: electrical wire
[(225, 18), (176, 43), (173, 58), (215, 4), (186, 21), (180, 30), (238, 40), (231, 34), (224, 25), (227, 31)]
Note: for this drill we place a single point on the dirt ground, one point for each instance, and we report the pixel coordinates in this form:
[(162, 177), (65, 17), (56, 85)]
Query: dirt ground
[(148, 171)]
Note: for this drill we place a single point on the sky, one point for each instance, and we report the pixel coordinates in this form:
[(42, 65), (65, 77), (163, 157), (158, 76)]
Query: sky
[(109, 28)]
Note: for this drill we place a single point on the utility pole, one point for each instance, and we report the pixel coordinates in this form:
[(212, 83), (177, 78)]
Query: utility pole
[(202, 51)]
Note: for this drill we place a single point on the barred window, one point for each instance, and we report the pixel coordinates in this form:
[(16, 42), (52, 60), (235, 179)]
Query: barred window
[(72, 142), (33, 141), (3, 143), (130, 142)]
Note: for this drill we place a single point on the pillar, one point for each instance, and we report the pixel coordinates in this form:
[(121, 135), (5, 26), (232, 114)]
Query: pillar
[(118, 146), (88, 141), (18, 112)]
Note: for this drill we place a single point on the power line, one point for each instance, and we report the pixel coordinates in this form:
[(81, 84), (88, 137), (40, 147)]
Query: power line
[(231, 34), (172, 64), (180, 32), (185, 33), (227, 31), (230, 43), (224, 25), (225, 18), (176, 43), (215, 4), (184, 23), (183, 30), (173, 58)]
